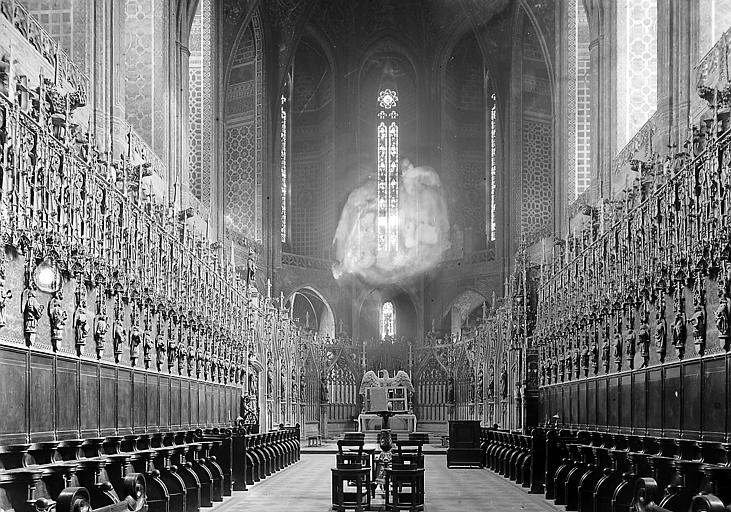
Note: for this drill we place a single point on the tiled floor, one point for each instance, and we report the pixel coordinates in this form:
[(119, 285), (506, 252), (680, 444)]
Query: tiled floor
[(305, 487)]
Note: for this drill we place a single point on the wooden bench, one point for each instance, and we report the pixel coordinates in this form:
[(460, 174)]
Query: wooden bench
[(312, 433)]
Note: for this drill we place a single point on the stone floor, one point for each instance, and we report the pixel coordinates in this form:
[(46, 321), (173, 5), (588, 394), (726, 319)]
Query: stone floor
[(305, 487)]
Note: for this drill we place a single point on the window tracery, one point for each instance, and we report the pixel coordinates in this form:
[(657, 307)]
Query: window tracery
[(388, 320), (388, 171)]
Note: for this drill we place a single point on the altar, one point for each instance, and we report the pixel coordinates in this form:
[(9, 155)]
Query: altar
[(371, 422), (386, 407)]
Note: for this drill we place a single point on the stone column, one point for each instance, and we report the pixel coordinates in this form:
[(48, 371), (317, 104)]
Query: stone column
[(100, 71)]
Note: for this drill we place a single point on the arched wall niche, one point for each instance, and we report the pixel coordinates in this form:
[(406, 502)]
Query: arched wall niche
[(386, 63), (405, 311), (312, 151), (536, 136), (463, 309), (243, 113), (309, 306), (465, 168)]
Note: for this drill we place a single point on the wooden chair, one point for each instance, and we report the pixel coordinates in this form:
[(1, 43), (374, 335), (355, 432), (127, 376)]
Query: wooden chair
[(312, 433), (352, 471), (405, 479)]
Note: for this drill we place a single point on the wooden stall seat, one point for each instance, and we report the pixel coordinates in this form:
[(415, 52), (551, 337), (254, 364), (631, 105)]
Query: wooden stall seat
[(590, 471)]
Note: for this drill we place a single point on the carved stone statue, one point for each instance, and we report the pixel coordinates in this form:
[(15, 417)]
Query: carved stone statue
[(324, 392), (5, 296), (450, 390), (101, 326), (491, 383), (57, 317), (160, 349), (660, 331), (630, 345), (81, 324), (32, 311), (723, 316), (643, 339), (504, 382), (698, 321), (618, 349), (135, 340), (679, 333), (118, 338), (270, 376), (251, 268), (605, 354)]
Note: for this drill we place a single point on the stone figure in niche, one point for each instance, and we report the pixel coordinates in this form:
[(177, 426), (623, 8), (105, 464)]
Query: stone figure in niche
[(491, 383), (101, 326), (643, 338), (252, 383), (569, 365), (251, 268), (679, 333), (660, 331), (577, 362), (504, 382), (480, 385), (172, 348), (548, 370), (283, 383), (630, 343), (135, 340), (594, 351), (270, 377), (294, 385), (5, 296), (722, 314), (450, 390), (324, 391), (32, 311), (57, 317), (118, 337), (698, 321), (81, 323), (472, 387), (618, 348), (160, 348), (303, 386), (191, 357)]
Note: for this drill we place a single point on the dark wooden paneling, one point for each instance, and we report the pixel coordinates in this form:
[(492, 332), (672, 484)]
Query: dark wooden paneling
[(654, 403), (13, 383), (625, 401), (639, 405), (124, 399), (574, 400), (139, 404), (691, 424), (153, 401), (591, 389), (613, 402), (175, 398), (42, 407), (89, 391), (202, 410), (108, 397), (714, 399), (164, 401), (671, 401), (67, 397), (581, 388), (601, 400), (193, 404)]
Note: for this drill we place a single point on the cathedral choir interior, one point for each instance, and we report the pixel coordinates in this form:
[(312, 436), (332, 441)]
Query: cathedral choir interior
[(368, 255)]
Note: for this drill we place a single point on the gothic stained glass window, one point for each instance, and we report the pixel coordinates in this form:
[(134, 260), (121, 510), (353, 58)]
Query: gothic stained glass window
[(388, 320), (493, 164), (283, 168), (388, 171)]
